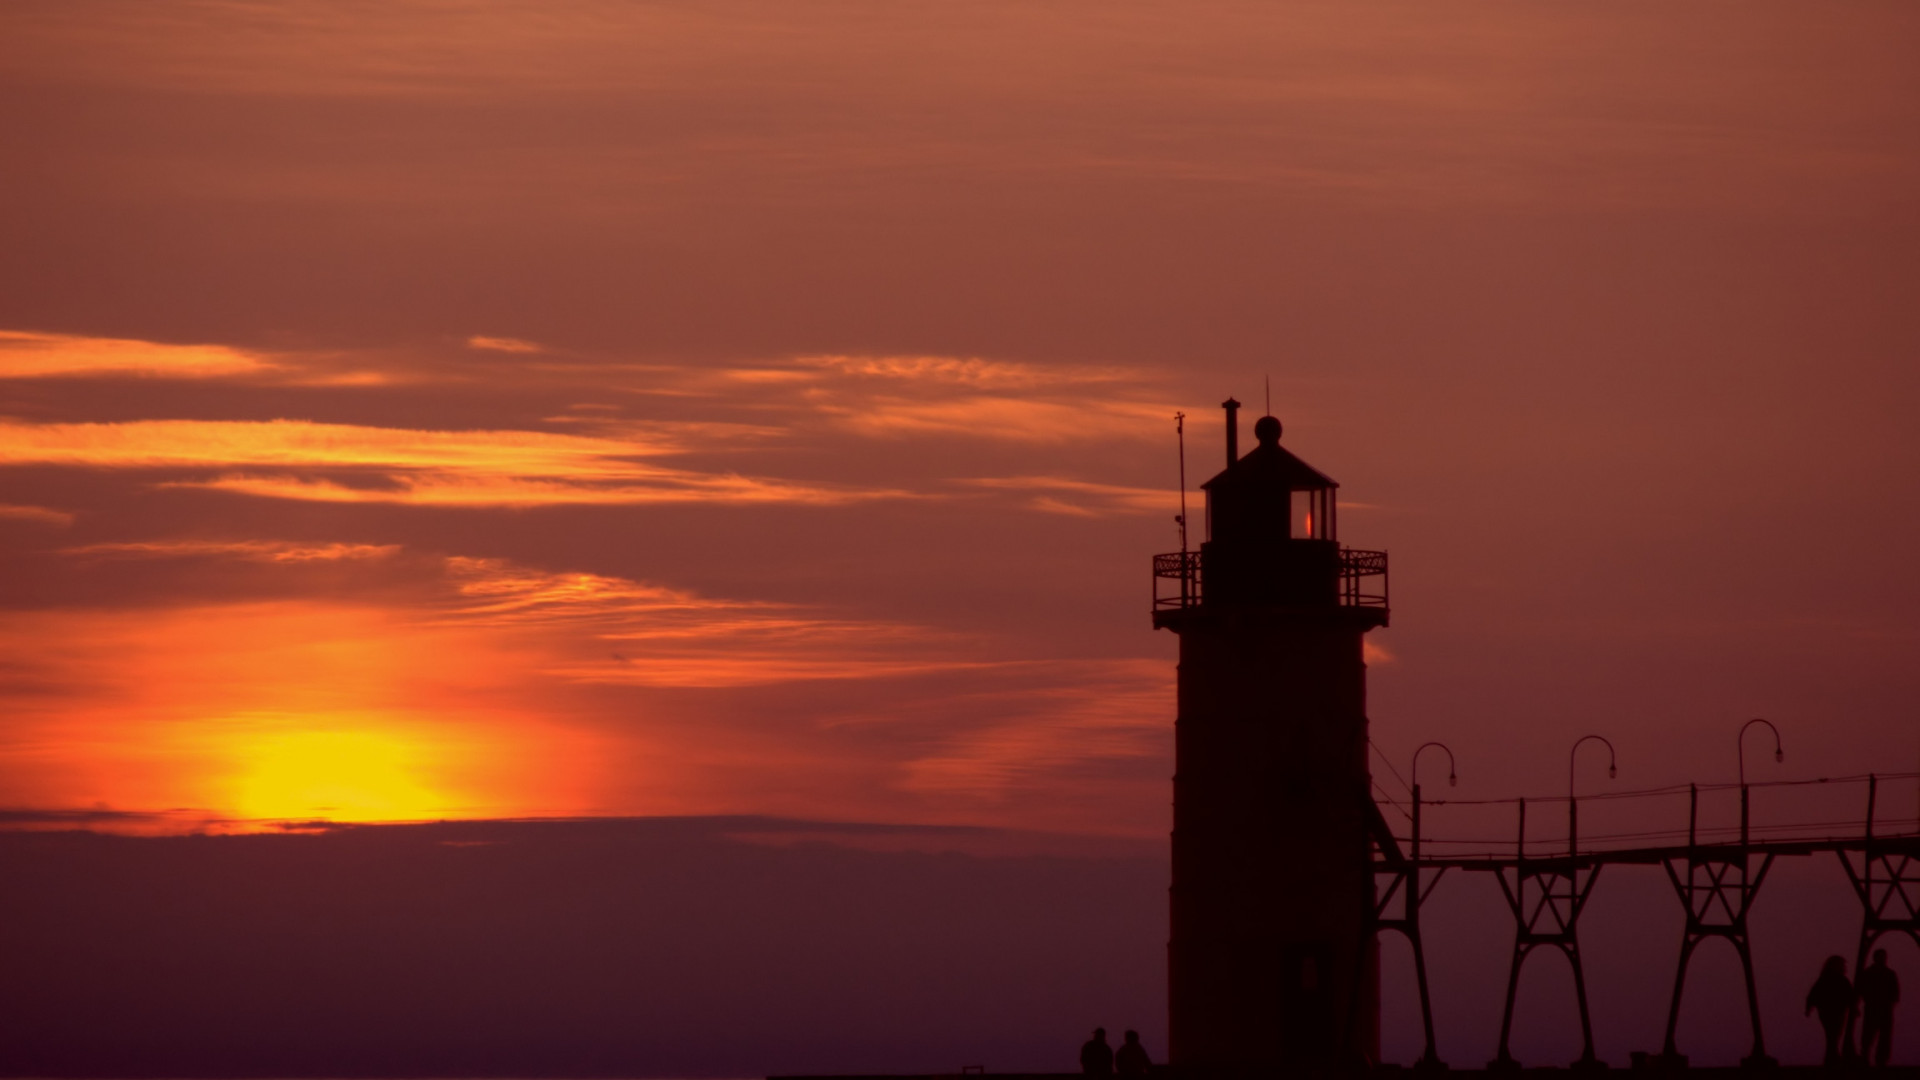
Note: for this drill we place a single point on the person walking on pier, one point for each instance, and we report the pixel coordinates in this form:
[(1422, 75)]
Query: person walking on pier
[(1832, 998), (1131, 1059), (1096, 1057), (1879, 989)]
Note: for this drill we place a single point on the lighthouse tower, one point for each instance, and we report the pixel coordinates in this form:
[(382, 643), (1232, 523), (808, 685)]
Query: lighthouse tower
[(1271, 960)]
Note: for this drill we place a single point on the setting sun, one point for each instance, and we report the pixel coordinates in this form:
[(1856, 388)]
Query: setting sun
[(338, 776)]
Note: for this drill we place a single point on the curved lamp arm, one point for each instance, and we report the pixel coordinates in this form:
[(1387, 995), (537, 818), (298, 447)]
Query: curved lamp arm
[(1613, 769), (1778, 754), (1452, 779), (1573, 808)]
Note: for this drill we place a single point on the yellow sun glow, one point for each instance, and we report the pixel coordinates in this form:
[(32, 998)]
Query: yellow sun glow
[(336, 775)]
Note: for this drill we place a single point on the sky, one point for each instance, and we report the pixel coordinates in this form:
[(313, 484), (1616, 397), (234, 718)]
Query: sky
[(469, 409), (472, 409)]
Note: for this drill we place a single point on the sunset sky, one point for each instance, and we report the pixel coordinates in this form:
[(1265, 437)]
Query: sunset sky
[(430, 409)]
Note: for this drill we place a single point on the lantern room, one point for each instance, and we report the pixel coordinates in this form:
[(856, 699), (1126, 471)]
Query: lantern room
[(1272, 537), (1269, 495)]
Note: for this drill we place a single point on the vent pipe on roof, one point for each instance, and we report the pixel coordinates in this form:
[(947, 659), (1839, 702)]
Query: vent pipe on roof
[(1233, 429)]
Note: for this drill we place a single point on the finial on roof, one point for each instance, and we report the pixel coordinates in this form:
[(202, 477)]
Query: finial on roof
[(1267, 430)]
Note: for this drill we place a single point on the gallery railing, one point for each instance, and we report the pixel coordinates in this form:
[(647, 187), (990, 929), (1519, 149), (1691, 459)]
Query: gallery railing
[(1179, 579)]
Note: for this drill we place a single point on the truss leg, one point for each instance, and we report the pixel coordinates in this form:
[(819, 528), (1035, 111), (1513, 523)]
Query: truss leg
[(1759, 1056), (1430, 1057), (1869, 936), (1572, 949), (1505, 1060), (1669, 1049)]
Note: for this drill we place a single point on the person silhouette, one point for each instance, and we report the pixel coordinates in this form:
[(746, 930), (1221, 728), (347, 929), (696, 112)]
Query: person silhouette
[(1879, 989), (1096, 1057), (1131, 1059), (1832, 998)]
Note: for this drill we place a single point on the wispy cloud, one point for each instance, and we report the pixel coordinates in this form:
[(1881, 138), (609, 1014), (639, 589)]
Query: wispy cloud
[(895, 397), (662, 486), (1083, 498), (986, 374), (252, 550), (1012, 419), (504, 344), (172, 443), (25, 355), (654, 635), (949, 397), (1090, 712), (497, 590), (406, 466), (39, 515)]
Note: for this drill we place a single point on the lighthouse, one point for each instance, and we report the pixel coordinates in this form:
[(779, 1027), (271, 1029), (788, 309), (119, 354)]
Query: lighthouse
[(1271, 957)]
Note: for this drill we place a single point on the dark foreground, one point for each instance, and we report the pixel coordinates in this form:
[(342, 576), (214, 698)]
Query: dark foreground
[(584, 949)]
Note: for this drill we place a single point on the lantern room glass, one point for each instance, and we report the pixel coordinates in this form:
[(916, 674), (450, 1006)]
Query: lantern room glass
[(1311, 517)]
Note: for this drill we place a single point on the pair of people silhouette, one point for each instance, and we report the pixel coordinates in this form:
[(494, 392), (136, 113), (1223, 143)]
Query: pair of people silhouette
[(1873, 996), (1099, 1059)]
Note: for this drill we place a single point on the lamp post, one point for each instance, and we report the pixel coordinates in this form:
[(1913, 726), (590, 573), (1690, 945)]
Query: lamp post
[(1452, 781), (1430, 1056), (1573, 806), (1740, 749)]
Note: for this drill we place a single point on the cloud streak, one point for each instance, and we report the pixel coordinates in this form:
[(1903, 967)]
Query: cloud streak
[(173, 443), (657, 636), (977, 372), (405, 466), (1083, 498), (1011, 419), (39, 515), (503, 344), (26, 355), (251, 550)]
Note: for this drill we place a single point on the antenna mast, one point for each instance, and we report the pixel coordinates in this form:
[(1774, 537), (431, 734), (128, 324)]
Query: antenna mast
[(1180, 433)]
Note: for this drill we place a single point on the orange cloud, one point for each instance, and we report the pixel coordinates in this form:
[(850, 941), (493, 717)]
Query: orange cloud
[(441, 468), (669, 486), (972, 397), (895, 397), (499, 589), (1089, 713), (967, 371), (1002, 418), (26, 355), (1093, 499), (651, 635), (168, 443), (254, 550), (504, 344), (38, 514)]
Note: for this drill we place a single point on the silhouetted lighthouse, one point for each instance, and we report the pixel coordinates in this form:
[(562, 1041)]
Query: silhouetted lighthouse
[(1271, 959)]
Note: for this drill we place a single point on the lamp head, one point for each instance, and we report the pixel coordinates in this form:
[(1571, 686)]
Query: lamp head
[(1452, 780), (1612, 772), (1779, 754)]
